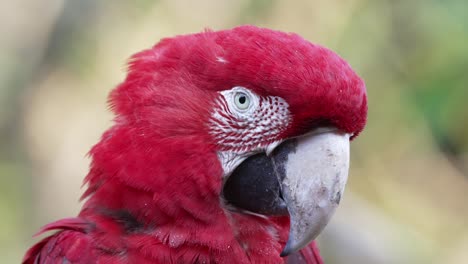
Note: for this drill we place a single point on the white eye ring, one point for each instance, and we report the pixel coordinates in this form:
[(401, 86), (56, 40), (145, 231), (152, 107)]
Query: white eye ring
[(242, 100)]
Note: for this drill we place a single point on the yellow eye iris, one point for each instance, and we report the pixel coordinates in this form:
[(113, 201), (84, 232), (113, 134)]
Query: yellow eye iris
[(242, 100)]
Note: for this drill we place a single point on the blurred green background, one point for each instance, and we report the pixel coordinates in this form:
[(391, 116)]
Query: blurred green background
[(406, 200)]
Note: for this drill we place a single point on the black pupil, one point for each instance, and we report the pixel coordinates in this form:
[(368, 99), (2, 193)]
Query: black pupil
[(242, 99)]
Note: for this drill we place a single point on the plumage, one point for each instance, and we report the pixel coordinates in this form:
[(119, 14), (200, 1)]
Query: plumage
[(154, 189)]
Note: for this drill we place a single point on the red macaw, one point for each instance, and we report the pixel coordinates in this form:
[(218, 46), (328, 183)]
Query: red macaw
[(228, 147)]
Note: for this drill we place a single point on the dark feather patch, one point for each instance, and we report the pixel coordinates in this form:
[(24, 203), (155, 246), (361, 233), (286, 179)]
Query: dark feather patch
[(128, 221)]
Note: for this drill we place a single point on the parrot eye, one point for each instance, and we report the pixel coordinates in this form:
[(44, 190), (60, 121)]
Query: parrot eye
[(242, 100)]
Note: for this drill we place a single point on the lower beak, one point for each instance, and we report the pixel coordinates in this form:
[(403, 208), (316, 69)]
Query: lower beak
[(312, 171)]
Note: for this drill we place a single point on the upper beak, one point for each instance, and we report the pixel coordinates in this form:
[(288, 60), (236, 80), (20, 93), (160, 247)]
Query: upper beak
[(303, 176), (312, 171)]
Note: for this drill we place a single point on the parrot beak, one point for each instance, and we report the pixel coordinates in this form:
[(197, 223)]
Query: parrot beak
[(312, 171), (303, 177)]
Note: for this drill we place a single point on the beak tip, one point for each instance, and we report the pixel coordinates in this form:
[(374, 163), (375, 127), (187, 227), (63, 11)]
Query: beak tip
[(288, 249), (285, 252)]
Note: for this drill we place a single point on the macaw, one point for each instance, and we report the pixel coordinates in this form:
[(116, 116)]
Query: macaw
[(228, 146)]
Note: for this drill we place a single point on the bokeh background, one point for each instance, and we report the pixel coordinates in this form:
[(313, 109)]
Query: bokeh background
[(406, 200)]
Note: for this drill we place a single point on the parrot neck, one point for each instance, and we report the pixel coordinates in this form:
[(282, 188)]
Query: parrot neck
[(157, 180), (173, 222), (170, 196)]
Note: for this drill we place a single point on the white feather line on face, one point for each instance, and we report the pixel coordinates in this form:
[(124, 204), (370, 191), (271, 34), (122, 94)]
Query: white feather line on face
[(229, 161), (241, 133)]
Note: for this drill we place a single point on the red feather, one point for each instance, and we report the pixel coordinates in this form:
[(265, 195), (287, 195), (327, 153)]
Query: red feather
[(154, 185)]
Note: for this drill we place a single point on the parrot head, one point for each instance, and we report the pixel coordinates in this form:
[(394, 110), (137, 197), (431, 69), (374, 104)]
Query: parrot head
[(230, 140)]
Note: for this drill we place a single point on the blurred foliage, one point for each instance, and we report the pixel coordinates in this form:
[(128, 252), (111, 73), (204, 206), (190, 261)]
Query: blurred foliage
[(406, 201)]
